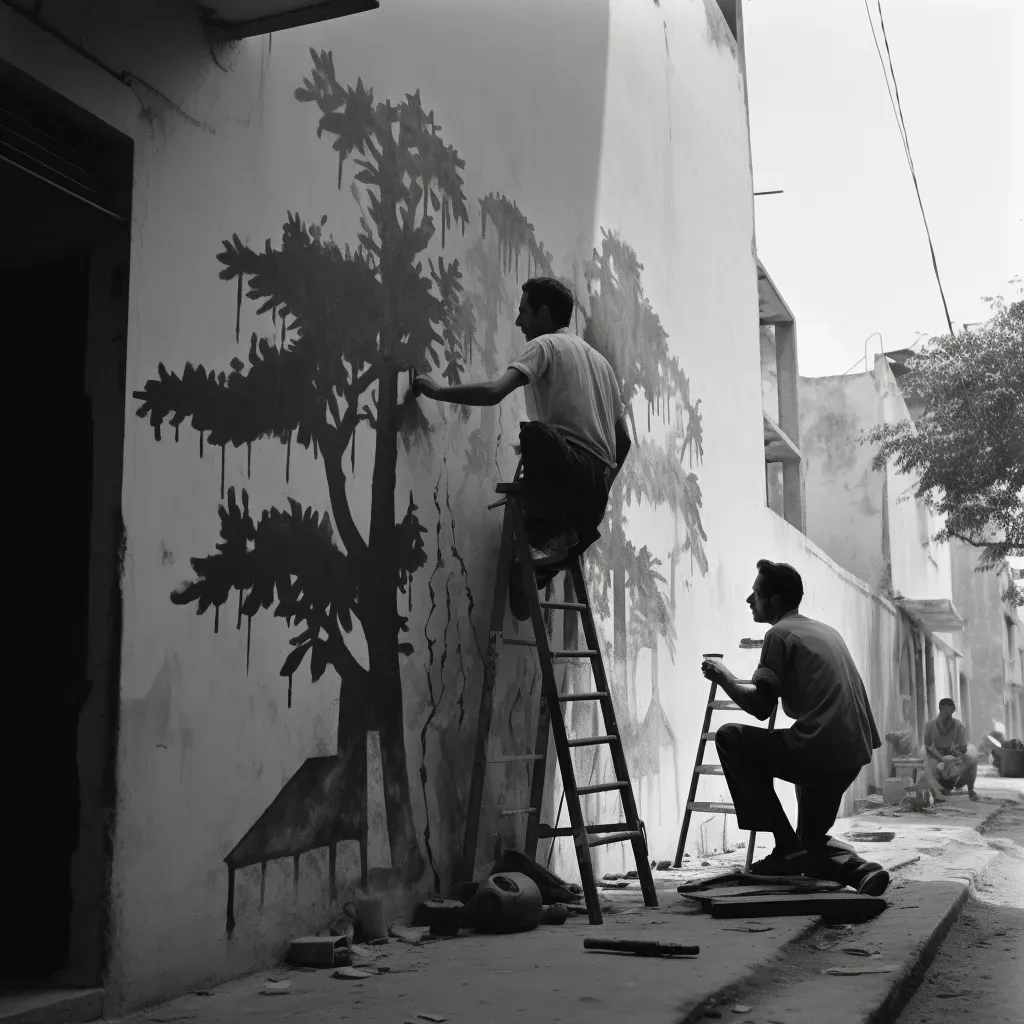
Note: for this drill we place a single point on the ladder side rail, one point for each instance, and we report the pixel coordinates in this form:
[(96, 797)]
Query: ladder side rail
[(561, 739), (492, 664), (694, 778)]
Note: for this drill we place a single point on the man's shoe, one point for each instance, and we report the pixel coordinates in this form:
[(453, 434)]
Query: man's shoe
[(874, 882), (553, 551), (781, 863), (973, 795)]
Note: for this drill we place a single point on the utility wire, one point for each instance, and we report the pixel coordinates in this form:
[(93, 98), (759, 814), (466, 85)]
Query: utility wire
[(894, 99)]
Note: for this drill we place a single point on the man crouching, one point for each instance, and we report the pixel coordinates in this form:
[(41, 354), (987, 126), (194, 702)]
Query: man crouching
[(807, 665)]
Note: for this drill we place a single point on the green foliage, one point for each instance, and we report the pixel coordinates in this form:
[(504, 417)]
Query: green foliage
[(966, 448)]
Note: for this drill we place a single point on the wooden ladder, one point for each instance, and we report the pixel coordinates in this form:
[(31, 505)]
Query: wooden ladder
[(700, 768), (585, 837)]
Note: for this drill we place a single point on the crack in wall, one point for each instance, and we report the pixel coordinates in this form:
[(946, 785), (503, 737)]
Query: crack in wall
[(469, 599), (434, 704)]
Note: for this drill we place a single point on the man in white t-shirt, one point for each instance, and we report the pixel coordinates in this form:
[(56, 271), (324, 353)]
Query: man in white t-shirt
[(576, 439)]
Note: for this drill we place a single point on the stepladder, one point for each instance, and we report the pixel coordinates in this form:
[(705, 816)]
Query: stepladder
[(701, 768), (515, 556)]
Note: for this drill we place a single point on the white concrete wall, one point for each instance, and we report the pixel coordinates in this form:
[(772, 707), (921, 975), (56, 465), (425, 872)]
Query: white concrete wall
[(554, 121)]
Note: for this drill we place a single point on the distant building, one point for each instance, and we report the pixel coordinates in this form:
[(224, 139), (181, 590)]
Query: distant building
[(871, 524), (993, 666)]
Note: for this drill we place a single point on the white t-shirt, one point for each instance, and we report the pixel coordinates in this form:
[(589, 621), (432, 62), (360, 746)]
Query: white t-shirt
[(573, 389)]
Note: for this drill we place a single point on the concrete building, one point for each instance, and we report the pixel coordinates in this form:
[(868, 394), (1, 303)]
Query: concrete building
[(225, 255), (992, 673), (871, 524)]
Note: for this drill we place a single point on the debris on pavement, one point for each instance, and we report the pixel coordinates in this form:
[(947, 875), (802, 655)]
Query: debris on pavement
[(318, 951), (413, 936), (444, 917), (554, 913), (740, 1008), (507, 902), (750, 926), (618, 884), (866, 969), (641, 947), (351, 973), (432, 1017), (276, 987), (552, 888), (870, 837)]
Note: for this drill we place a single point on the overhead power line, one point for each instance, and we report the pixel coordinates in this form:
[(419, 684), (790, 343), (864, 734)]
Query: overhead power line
[(897, 109)]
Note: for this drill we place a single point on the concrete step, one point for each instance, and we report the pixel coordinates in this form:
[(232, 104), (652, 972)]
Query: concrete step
[(51, 1006)]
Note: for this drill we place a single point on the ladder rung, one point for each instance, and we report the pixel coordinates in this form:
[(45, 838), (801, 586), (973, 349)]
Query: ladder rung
[(708, 769), (507, 758), (604, 787), (618, 837), (592, 695), (723, 705), (713, 808), (516, 810), (708, 735), (547, 832), (568, 606), (517, 641), (574, 654), (590, 741)]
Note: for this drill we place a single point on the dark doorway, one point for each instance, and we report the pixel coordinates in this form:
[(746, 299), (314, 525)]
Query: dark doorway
[(65, 189)]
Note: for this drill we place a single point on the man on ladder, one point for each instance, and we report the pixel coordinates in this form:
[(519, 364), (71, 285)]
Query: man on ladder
[(572, 449), (807, 665), (576, 440)]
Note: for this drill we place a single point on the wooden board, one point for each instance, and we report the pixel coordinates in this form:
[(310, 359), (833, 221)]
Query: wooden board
[(704, 896), (740, 879), (841, 907)]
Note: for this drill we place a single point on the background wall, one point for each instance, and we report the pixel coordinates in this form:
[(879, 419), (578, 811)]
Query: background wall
[(846, 502)]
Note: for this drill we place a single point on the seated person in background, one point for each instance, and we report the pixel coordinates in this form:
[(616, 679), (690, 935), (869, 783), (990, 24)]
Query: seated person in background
[(949, 761), (807, 665)]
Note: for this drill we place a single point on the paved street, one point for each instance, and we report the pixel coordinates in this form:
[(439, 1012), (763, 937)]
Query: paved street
[(978, 974)]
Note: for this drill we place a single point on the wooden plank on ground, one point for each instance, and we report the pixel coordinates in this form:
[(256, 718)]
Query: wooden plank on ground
[(837, 907)]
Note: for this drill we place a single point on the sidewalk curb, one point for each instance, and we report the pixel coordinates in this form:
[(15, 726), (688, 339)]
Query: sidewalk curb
[(899, 986)]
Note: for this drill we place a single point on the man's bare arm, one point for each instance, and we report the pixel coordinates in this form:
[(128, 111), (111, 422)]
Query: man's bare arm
[(490, 392)]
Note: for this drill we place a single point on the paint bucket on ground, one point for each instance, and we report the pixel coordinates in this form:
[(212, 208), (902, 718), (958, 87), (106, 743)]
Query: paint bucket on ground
[(507, 902), (1011, 763), (371, 912)]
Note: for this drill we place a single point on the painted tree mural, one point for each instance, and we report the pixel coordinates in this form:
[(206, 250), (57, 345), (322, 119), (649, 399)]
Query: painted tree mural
[(623, 326), (352, 320)]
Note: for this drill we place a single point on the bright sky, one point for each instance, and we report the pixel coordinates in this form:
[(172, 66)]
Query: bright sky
[(845, 243)]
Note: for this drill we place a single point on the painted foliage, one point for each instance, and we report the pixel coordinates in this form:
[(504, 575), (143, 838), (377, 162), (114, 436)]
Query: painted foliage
[(352, 319)]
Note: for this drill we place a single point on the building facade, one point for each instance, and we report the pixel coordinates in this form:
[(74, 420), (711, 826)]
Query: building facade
[(232, 253), (993, 666)]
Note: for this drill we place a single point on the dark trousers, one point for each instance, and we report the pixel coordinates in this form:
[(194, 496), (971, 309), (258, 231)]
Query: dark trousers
[(753, 758), (563, 487)]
